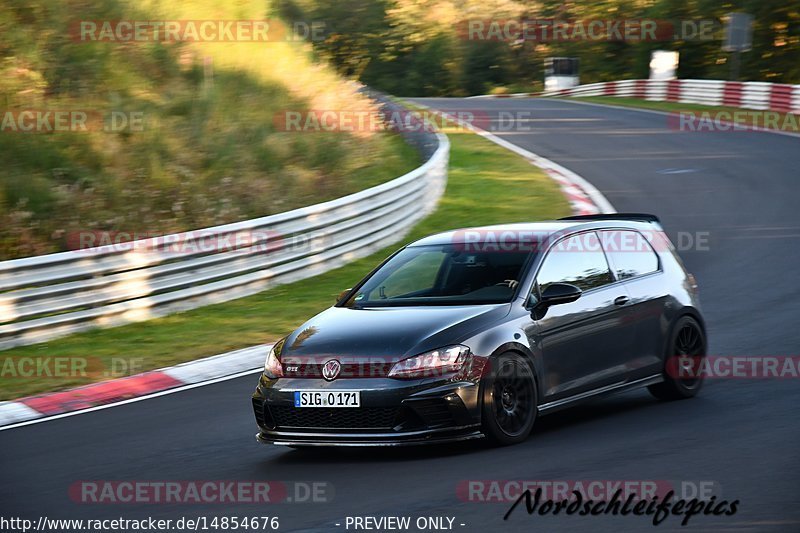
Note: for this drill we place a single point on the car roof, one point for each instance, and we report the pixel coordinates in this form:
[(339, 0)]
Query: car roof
[(527, 230)]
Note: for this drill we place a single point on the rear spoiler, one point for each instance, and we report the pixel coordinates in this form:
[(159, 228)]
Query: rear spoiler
[(634, 217)]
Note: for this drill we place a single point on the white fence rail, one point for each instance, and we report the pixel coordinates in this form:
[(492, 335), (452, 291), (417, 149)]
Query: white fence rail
[(48, 296)]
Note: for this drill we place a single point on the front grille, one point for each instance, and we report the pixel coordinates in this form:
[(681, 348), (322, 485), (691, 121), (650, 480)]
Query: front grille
[(334, 418)]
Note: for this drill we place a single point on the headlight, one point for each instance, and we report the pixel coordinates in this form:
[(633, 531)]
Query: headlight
[(434, 363), (272, 367)]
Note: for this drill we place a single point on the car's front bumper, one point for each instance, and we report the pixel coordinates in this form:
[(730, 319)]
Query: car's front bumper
[(392, 412)]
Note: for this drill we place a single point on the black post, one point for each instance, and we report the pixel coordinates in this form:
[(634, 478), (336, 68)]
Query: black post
[(735, 65)]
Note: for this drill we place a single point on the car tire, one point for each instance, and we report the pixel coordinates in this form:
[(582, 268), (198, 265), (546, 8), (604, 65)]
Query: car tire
[(686, 352), (509, 406)]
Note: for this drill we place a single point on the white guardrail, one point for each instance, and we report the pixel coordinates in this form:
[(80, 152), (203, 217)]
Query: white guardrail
[(48, 296), (748, 95)]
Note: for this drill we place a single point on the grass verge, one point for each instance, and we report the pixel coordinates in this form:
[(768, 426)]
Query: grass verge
[(200, 135), (487, 184)]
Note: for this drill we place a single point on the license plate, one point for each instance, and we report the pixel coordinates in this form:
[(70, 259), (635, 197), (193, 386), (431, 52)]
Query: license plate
[(320, 398)]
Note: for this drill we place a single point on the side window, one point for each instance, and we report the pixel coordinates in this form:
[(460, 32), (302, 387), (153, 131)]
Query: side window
[(629, 252), (578, 260)]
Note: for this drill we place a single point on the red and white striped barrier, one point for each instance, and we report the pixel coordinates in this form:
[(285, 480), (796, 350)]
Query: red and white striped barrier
[(748, 95)]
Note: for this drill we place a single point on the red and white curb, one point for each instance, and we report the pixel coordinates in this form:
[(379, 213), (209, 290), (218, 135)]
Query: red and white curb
[(583, 197), (137, 387)]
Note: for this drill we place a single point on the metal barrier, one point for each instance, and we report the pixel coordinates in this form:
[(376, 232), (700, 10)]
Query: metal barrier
[(52, 295)]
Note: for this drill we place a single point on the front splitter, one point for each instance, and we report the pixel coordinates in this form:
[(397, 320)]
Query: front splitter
[(382, 440)]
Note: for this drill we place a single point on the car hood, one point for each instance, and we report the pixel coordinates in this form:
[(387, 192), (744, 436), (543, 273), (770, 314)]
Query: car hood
[(388, 333)]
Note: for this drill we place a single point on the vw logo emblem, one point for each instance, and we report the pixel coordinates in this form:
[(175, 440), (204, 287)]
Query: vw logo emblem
[(331, 369)]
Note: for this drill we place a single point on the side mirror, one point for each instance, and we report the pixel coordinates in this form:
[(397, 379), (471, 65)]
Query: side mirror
[(559, 293), (342, 295)]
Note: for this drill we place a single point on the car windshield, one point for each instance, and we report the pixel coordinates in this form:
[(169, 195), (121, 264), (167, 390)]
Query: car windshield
[(442, 275)]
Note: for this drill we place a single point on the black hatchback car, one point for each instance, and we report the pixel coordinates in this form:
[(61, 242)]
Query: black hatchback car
[(476, 332)]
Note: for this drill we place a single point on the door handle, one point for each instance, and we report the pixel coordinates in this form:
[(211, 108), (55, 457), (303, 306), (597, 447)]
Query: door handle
[(621, 300)]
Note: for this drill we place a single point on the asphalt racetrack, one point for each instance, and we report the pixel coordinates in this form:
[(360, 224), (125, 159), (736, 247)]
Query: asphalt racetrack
[(738, 192)]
